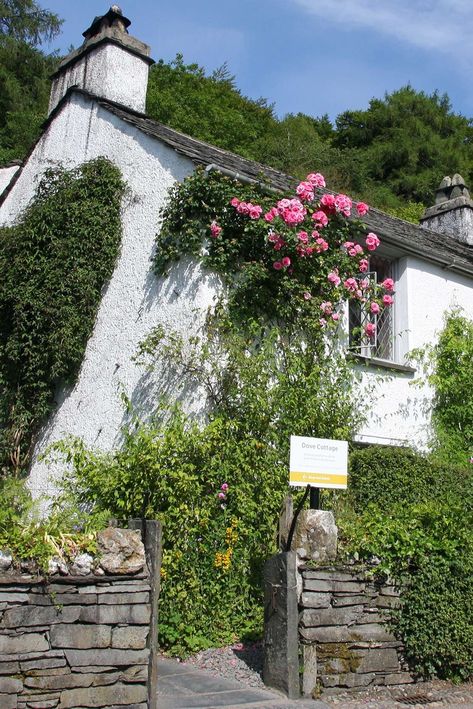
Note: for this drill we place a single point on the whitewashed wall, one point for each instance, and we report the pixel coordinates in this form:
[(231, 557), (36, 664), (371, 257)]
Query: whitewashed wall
[(6, 176), (424, 294), (134, 301)]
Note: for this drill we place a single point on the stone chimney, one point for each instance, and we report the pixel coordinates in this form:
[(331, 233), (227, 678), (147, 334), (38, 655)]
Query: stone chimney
[(110, 64), (452, 213)]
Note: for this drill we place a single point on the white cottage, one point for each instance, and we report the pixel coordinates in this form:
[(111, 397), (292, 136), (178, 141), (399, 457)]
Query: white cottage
[(96, 109)]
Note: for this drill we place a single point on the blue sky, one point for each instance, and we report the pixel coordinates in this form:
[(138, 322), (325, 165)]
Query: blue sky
[(314, 56)]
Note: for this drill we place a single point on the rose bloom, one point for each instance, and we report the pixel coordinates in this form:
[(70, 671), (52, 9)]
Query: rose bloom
[(277, 265), (326, 307), (374, 308), (322, 322), (286, 261), (348, 245), (372, 242), (307, 295), (279, 243), (388, 300), (222, 496), (320, 218), (303, 236), (351, 284), (370, 329), (334, 278), (224, 487), (343, 204), (305, 191), (363, 265), (215, 229), (362, 209), (243, 208), (316, 179), (328, 201), (388, 284), (235, 202), (322, 245), (255, 211), (335, 316)]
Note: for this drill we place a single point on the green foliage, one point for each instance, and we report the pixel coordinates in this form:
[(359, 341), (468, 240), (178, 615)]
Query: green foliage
[(30, 537), (26, 21), (53, 266), (174, 468), (414, 519), (386, 476)]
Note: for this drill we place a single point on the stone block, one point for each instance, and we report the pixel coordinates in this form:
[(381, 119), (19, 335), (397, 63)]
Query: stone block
[(388, 602), (9, 668), (113, 615), (340, 634), (10, 686), (8, 701), (48, 663), (119, 587), (399, 678), (71, 681), (317, 585), (114, 658), (119, 598), (51, 704), (133, 637), (121, 551), (311, 599), (349, 600), (80, 636), (35, 615), (372, 632), (389, 591), (50, 672), (316, 536), (332, 575), (13, 598), (313, 617), (29, 642), (94, 669), (350, 680), (380, 660), (139, 673), (117, 694), (309, 676), (63, 599)]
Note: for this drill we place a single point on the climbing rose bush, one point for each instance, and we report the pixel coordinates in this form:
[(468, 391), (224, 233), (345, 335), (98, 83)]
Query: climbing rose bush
[(297, 257)]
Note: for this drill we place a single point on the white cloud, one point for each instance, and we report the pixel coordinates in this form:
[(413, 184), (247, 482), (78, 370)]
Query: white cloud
[(438, 25)]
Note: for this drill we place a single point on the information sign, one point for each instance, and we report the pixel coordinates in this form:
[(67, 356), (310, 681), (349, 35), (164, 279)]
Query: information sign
[(320, 462)]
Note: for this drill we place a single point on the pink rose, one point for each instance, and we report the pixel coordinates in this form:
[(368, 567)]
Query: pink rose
[(303, 236), (235, 202), (322, 245), (348, 245), (286, 261), (224, 487), (374, 308), (343, 204), (320, 218), (363, 265), (370, 329), (316, 179), (335, 316), (326, 307), (222, 496), (305, 190), (334, 278), (372, 242), (362, 209), (351, 284), (243, 208), (328, 201), (279, 243), (307, 295), (388, 284), (277, 265), (215, 229), (255, 211), (388, 300), (322, 322)]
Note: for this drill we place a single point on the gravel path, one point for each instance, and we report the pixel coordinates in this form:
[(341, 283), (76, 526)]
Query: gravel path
[(245, 663)]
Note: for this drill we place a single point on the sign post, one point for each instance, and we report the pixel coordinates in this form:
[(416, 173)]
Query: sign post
[(320, 463)]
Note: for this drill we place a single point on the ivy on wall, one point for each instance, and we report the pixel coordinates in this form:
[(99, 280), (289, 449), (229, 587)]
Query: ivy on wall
[(53, 266)]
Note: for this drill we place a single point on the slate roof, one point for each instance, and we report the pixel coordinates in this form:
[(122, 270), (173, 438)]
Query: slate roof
[(408, 238)]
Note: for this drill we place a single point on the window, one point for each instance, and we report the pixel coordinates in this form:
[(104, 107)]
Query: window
[(381, 346)]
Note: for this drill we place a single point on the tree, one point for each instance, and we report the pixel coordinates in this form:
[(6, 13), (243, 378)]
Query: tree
[(24, 73)]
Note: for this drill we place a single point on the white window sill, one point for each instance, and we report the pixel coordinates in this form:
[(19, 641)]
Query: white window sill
[(381, 363)]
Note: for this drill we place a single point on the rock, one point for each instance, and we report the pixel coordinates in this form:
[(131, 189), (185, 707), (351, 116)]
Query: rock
[(121, 551), (133, 637), (104, 696), (27, 616), (57, 565), (80, 636), (82, 565), (10, 686), (114, 658), (30, 642), (113, 615), (316, 536), (6, 560), (315, 600)]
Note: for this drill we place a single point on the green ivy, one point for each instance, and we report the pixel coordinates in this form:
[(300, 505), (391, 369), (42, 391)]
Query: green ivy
[(53, 266)]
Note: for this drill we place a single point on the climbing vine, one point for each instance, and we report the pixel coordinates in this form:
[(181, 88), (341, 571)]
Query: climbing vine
[(53, 266)]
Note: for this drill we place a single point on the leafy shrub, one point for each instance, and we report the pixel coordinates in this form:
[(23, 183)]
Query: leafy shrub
[(386, 476)]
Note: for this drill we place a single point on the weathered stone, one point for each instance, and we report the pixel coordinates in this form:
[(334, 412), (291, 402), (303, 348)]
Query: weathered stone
[(63, 599), (48, 663), (344, 634), (72, 681), (332, 575), (8, 701), (317, 586), (78, 658), (10, 686), (389, 591), (316, 536), (56, 565), (388, 602), (135, 674), (94, 669), (133, 637), (121, 551), (310, 599), (348, 680), (51, 704), (313, 617), (29, 642), (103, 696), (42, 671), (44, 615), (6, 560), (119, 587), (309, 677), (350, 600), (82, 565), (112, 615), (9, 668), (371, 632), (381, 660), (80, 636), (399, 678), (120, 598), (13, 598)]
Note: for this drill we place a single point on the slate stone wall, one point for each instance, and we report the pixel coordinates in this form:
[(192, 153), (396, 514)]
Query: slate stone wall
[(74, 642), (345, 640)]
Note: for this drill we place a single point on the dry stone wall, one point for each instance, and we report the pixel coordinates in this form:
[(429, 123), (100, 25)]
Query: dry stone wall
[(345, 639), (74, 642)]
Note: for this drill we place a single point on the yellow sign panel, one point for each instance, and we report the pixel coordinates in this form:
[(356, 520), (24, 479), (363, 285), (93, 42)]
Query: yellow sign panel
[(318, 462)]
